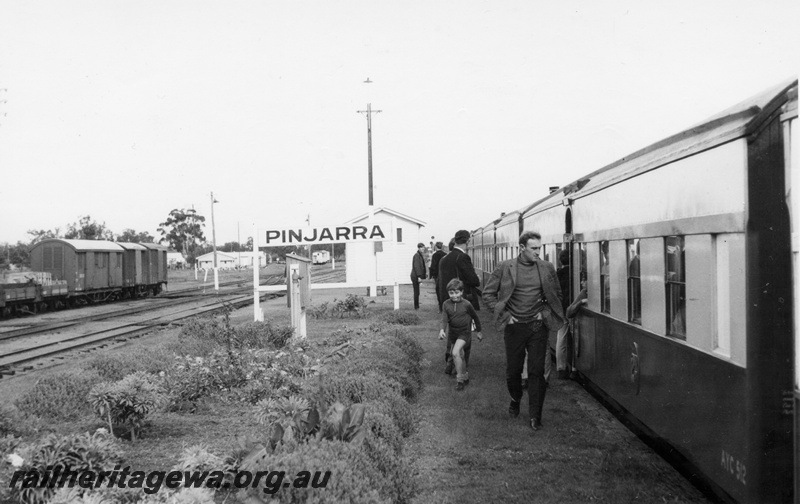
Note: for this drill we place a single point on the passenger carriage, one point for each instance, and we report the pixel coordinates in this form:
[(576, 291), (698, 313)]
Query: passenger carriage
[(691, 264)]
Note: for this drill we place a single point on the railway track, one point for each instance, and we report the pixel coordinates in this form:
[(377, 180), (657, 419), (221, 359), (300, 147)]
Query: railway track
[(98, 330), (11, 329), (50, 339)]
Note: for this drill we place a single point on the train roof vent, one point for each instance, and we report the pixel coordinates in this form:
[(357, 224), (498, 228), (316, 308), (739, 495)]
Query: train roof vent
[(554, 189)]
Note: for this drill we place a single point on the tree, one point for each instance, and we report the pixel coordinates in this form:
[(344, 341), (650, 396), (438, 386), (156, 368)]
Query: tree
[(38, 235), (88, 229), (131, 236), (183, 231), (18, 255)]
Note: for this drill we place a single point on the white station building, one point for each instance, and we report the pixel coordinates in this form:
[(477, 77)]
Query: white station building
[(387, 260)]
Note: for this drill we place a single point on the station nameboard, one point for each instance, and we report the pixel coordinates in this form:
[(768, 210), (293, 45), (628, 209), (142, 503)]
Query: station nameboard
[(367, 232)]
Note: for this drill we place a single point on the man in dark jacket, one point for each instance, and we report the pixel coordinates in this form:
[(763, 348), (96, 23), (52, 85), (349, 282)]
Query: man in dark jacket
[(525, 297), (457, 264), (435, 258), (418, 271)]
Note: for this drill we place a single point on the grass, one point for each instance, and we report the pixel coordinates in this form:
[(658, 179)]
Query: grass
[(468, 450), (465, 448)]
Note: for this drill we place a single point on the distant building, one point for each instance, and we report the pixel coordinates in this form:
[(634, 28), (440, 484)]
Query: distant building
[(385, 261), (175, 260), (231, 260), (225, 260), (245, 259)]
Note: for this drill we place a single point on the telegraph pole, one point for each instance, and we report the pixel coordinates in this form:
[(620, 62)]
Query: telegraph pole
[(214, 244), (368, 113)]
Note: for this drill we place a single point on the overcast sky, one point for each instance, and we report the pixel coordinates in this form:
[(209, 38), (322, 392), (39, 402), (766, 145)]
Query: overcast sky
[(126, 110)]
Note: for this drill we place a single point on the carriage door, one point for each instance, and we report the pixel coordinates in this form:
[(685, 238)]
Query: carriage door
[(80, 272), (792, 140)]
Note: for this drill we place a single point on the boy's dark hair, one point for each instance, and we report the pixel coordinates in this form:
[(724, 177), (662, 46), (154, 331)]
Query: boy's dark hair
[(563, 257), (455, 284), (439, 245)]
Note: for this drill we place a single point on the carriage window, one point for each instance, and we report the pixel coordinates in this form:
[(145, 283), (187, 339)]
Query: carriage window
[(605, 283), (675, 281), (399, 235), (634, 283)]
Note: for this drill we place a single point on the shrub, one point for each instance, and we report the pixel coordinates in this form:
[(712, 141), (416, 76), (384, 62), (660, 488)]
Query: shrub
[(78, 452), (400, 317), (350, 479), (262, 334), (59, 396), (114, 366), (384, 361), (126, 402), (353, 306), (407, 343), (378, 423), (319, 311)]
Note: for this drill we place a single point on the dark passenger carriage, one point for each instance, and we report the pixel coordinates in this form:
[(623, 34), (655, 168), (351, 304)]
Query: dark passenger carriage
[(692, 277)]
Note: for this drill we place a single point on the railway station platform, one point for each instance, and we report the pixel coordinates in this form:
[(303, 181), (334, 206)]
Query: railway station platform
[(468, 450)]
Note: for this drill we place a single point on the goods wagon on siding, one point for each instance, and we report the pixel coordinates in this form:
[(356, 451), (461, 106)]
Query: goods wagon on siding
[(99, 270)]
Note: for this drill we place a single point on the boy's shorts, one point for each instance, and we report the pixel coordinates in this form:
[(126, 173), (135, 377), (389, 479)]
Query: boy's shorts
[(460, 335)]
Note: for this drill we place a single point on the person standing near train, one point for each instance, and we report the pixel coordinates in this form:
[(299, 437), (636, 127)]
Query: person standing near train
[(418, 271), (564, 364), (525, 297), (435, 258), (457, 264)]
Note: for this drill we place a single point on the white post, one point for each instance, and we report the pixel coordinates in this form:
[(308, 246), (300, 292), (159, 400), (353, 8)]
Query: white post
[(395, 259), (216, 279), (258, 315), (373, 282)]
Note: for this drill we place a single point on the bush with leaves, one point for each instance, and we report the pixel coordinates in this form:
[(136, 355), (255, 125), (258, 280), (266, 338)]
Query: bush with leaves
[(319, 311), (59, 396), (407, 343), (352, 306), (400, 317), (126, 402), (263, 335), (78, 452), (343, 467), (116, 495), (114, 366)]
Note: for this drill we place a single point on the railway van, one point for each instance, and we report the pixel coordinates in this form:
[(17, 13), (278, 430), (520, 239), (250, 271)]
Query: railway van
[(91, 268)]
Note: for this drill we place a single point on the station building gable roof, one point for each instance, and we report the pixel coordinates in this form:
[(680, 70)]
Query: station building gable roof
[(210, 257), (384, 210)]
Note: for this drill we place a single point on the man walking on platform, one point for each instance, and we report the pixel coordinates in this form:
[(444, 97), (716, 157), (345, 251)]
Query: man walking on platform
[(525, 298), (418, 271), (435, 258)]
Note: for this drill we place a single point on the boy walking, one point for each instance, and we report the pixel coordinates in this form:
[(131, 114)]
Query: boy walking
[(458, 316)]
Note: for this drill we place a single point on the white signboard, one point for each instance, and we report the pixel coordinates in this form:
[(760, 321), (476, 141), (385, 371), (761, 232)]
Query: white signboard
[(367, 232)]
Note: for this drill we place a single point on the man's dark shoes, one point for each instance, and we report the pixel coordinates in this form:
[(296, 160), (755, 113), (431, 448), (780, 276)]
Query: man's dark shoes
[(448, 369), (536, 424), (460, 386), (563, 374), (573, 375), (513, 409)]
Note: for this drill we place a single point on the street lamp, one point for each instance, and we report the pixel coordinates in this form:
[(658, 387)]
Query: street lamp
[(214, 244)]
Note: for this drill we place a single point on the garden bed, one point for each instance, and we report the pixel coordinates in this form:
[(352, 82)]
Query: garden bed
[(225, 394)]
